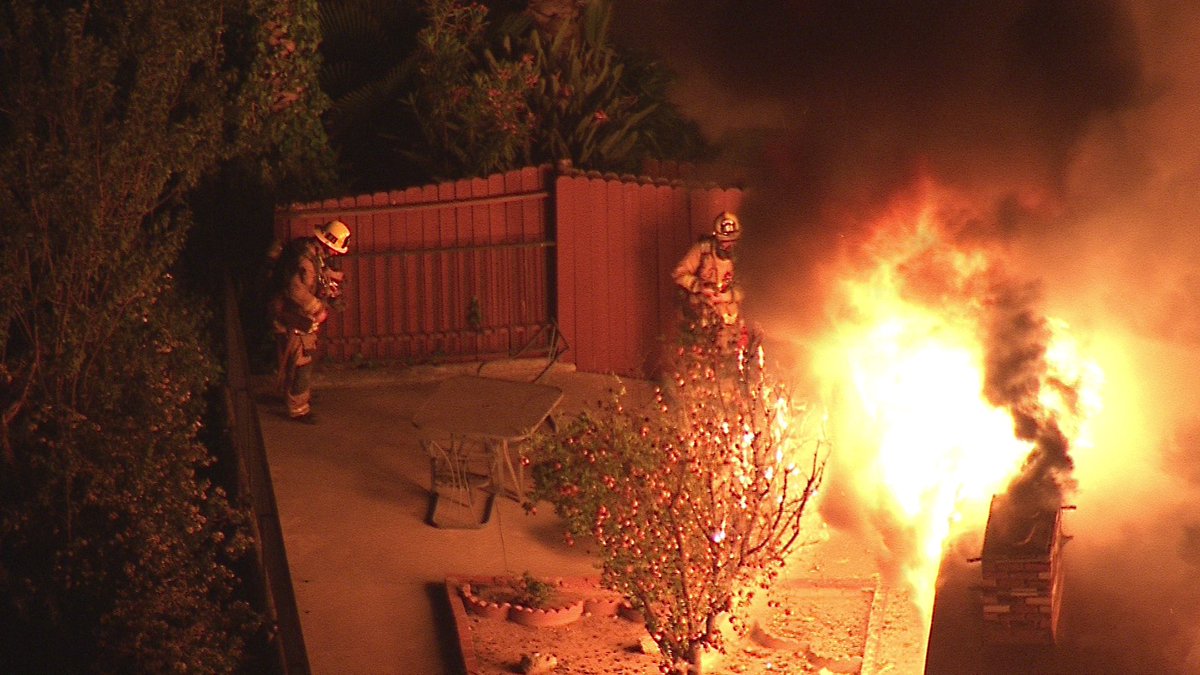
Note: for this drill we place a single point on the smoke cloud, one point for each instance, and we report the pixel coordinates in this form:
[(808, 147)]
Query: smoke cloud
[(828, 107), (1075, 125), (1015, 372)]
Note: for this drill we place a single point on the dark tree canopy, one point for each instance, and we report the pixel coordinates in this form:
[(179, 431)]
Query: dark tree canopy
[(441, 89), (116, 547)]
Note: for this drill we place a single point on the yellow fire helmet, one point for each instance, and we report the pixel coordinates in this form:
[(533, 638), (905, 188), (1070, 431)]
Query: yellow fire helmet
[(334, 235), (727, 227)]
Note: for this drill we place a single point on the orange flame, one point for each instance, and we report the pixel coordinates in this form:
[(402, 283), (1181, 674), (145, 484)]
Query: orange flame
[(905, 362)]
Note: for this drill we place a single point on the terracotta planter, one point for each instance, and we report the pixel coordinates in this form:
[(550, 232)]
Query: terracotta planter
[(538, 618), (534, 617), (484, 608), (602, 605), (627, 612)]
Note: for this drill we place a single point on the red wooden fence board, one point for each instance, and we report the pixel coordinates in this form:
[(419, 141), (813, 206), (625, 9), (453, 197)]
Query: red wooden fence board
[(638, 288), (382, 231), (367, 306), (592, 277), (475, 286), (429, 272), (447, 233), (393, 324), (499, 299), (513, 225), (673, 237), (568, 205), (535, 308), (658, 323), (645, 344), (623, 277)]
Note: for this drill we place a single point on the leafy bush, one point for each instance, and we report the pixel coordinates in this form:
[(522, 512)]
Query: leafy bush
[(116, 549), (534, 591), (694, 503), (470, 106), (494, 92)]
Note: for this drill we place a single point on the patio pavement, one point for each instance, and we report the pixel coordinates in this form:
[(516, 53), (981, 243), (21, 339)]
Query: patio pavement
[(352, 493), (369, 571)]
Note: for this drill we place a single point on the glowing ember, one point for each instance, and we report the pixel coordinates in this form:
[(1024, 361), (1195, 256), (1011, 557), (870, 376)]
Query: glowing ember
[(943, 380)]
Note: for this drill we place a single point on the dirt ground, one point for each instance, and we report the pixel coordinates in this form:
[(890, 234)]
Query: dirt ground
[(831, 614)]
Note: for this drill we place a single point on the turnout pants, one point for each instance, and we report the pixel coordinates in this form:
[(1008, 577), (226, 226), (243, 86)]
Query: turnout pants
[(296, 351)]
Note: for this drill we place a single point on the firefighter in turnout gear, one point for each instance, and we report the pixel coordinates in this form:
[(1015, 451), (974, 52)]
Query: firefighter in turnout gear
[(306, 288), (712, 304)]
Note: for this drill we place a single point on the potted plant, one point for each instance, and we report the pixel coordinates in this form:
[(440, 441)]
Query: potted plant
[(523, 599)]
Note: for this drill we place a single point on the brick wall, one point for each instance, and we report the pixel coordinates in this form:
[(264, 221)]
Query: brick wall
[(1021, 588)]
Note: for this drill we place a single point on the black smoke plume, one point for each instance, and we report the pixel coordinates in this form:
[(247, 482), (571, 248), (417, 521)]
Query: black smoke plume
[(1016, 370)]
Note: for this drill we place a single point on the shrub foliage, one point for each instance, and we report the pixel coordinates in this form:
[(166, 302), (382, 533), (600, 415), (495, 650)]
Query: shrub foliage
[(694, 503), (116, 550), (445, 89)]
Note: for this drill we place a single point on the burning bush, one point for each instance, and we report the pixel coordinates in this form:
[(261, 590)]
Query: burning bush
[(693, 504)]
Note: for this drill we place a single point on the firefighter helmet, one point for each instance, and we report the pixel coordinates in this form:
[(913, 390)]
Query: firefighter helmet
[(334, 235), (727, 227)]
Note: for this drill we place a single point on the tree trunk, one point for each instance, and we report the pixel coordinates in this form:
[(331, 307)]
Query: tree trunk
[(696, 659)]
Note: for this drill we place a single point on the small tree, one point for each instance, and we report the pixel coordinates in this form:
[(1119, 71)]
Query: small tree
[(694, 504), (590, 111), (367, 64), (493, 91), (470, 106)]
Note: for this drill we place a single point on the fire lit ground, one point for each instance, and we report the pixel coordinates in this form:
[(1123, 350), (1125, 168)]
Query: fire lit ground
[(948, 382)]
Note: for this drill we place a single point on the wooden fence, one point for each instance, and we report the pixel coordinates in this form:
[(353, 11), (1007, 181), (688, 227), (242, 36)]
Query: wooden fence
[(617, 243), (532, 260), (453, 271)]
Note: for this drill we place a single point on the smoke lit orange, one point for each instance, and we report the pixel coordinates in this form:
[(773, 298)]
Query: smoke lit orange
[(932, 356)]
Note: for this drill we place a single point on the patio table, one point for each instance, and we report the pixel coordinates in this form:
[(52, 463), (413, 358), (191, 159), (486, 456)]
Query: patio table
[(471, 427)]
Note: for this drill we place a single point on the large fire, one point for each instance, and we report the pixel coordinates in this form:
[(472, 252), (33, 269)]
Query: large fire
[(946, 385)]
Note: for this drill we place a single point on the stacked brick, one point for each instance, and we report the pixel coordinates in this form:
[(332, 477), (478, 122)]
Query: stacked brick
[(1021, 588)]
